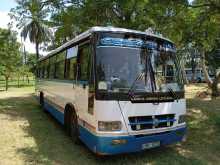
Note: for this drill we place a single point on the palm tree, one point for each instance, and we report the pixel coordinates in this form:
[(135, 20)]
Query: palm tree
[(37, 32), (30, 16)]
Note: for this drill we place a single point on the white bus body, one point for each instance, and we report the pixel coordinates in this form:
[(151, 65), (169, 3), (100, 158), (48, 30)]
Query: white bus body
[(107, 120)]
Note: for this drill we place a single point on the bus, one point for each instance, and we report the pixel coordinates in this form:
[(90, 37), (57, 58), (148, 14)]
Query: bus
[(199, 76), (116, 90)]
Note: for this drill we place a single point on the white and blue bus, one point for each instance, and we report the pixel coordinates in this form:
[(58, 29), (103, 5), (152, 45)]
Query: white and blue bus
[(117, 90)]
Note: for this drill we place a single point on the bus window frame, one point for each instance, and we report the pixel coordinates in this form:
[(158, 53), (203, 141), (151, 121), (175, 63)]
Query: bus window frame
[(82, 45)]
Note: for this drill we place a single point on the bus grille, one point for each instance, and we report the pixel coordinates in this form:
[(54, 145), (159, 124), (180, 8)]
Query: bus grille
[(151, 122)]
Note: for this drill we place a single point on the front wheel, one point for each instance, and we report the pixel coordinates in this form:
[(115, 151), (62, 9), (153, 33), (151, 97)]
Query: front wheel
[(74, 128)]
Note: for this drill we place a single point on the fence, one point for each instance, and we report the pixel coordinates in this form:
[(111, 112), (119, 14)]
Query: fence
[(17, 83)]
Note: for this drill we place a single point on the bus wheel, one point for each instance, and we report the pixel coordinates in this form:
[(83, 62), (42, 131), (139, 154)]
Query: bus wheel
[(74, 128)]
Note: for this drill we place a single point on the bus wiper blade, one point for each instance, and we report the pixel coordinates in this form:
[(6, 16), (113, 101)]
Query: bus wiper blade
[(130, 91), (172, 93)]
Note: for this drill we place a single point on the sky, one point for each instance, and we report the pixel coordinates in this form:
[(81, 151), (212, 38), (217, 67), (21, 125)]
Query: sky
[(5, 6)]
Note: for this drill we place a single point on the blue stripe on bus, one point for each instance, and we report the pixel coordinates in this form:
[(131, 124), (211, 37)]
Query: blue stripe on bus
[(53, 111), (103, 145)]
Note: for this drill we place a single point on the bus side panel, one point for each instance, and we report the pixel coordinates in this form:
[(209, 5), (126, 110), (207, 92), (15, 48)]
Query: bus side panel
[(55, 112), (57, 93)]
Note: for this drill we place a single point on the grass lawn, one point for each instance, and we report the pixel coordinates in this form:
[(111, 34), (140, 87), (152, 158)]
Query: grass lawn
[(30, 136), (14, 83)]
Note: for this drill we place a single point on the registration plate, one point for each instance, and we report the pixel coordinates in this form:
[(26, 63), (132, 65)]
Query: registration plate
[(150, 145)]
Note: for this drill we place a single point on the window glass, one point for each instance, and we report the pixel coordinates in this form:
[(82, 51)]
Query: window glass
[(60, 65), (52, 66), (72, 52), (46, 68), (61, 56), (84, 61), (37, 72), (70, 73), (41, 70)]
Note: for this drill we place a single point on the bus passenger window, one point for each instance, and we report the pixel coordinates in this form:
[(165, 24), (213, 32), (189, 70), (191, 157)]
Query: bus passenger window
[(46, 67), (71, 62), (59, 66), (52, 67), (70, 69), (84, 61)]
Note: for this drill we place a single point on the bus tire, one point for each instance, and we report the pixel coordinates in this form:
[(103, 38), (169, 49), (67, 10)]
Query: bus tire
[(71, 123)]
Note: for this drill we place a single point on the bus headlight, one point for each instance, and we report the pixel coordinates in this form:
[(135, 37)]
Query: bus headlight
[(182, 119), (109, 125)]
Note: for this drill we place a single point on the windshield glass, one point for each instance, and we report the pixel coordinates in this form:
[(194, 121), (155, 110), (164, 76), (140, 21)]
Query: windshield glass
[(144, 66)]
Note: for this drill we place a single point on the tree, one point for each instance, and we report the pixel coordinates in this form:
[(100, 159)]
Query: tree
[(9, 54), (205, 36), (31, 17), (31, 62), (73, 17), (195, 24)]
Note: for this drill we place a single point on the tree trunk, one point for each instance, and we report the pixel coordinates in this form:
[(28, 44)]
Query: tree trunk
[(193, 66), (28, 79), (215, 92), (205, 72), (6, 83), (37, 50), (18, 81), (212, 84), (184, 74)]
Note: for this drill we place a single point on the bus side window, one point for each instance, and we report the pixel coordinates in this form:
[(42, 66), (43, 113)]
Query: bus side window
[(59, 66), (70, 72), (46, 73), (42, 69), (52, 66), (71, 62), (38, 72), (83, 62)]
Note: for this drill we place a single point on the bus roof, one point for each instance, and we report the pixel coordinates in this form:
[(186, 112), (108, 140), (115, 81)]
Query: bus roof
[(100, 29)]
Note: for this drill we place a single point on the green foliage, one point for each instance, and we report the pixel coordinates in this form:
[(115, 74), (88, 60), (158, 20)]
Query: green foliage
[(31, 17), (78, 16), (9, 53), (178, 20), (31, 62), (193, 25)]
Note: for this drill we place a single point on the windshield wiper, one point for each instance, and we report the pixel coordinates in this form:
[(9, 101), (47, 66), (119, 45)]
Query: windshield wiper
[(130, 91), (173, 94), (149, 71)]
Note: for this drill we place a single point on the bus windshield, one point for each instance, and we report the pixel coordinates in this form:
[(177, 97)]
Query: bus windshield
[(121, 67)]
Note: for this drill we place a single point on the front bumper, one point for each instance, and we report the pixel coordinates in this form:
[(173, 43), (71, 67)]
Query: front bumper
[(103, 145)]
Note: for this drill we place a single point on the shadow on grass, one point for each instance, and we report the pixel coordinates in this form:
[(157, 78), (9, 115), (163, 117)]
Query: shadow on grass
[(53, 146)]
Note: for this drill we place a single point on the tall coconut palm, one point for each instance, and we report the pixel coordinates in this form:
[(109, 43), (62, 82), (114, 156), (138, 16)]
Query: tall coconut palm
[(30, 16), (37, 32)]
